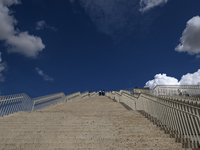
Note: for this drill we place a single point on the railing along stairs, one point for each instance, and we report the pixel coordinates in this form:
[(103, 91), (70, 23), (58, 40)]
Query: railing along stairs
[(178, 114), (22, 102)]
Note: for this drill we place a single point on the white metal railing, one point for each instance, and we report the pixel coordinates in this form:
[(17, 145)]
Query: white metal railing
[(47, 101), (22, 102), (13, 103), (177, 90), (181, 117), (178, 116)]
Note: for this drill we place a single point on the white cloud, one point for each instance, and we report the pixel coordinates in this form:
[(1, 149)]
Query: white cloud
[(197, 56), (146, 5), (16, 41), (42, 24), (191, 79), (190, 40), (3, 67), (163, 79), (45, 76), (25, 44), (10, 2)]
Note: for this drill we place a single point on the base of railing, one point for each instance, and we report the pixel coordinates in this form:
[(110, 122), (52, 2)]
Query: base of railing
[(186, 143), (126, 106), (112, 99)]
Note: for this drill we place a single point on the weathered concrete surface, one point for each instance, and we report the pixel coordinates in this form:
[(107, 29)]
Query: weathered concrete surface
[(94, 123)]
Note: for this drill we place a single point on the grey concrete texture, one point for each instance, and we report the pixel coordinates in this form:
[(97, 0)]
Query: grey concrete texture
[(92, 123)]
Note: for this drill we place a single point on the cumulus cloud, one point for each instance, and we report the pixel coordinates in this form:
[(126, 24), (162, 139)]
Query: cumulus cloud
[(16, 41), (3, 67), (25, 44), (191, 79), (45, 76), (42, 24), (146, 5), (117, 18), (163, 79), (190, 40), (10, 2)]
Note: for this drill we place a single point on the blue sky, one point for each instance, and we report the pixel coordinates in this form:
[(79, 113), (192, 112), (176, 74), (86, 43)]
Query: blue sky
[(80, 45)]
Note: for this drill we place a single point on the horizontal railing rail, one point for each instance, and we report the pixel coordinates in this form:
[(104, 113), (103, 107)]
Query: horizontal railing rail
[(191, 92), (183, 99), (177, 90), (73, 97), (131, 90), (47, 101)]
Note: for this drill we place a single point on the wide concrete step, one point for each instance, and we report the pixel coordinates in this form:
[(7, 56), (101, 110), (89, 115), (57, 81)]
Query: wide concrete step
[(58, 139), (76, 119), (86, 127), (115, 145), (103, 149), (76, 132), (79, 122), (96, 113), (60, 134), (39, 116)]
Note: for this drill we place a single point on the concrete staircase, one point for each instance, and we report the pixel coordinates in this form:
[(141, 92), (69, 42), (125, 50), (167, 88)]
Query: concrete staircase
[(95, 123)]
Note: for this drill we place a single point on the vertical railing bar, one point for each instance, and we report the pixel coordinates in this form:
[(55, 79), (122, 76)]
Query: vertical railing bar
[(173, 119), (194, 126), (198, 121), (170, 115), (5, 108), (191, 134), (167, 117), (177, 124), (184, 122), (163, 116), (2, 109), (182, 132), (187, 116)]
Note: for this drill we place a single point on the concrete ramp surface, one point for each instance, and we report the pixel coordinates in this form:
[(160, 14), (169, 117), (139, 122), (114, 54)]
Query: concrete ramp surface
[(95, 123)]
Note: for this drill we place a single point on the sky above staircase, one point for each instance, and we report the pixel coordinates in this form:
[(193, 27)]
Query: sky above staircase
[(50, 46)]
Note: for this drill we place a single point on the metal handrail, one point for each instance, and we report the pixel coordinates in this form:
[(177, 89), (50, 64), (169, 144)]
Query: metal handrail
[(182, 103), (21, 102), (41, 97), (178, 86), (11, 99), (177, 90), (13, 103), (175, 115), (175, 97), (178, 116), (47, 101)]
